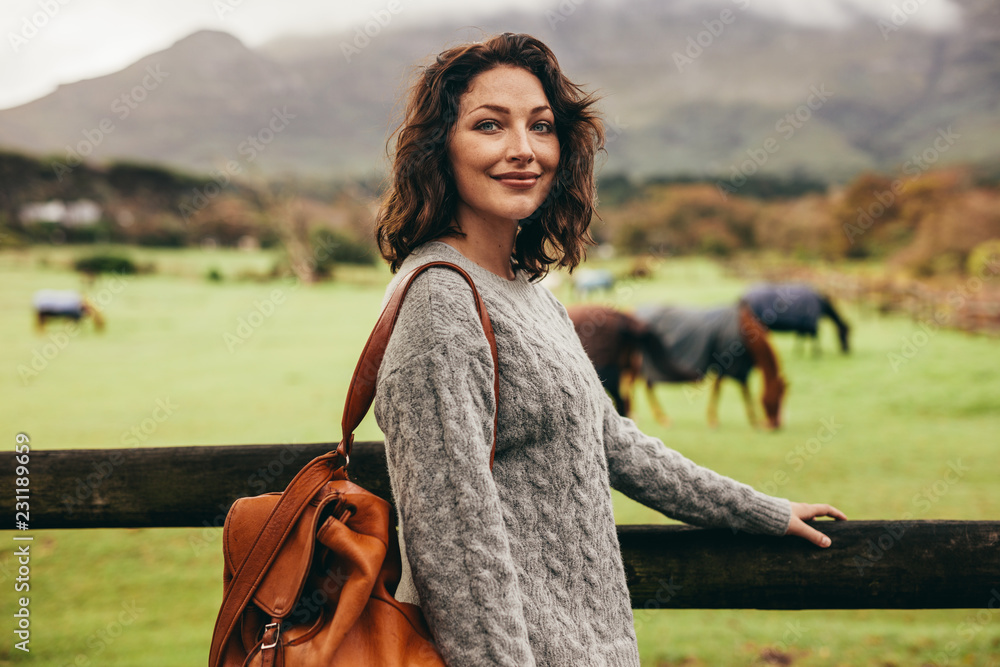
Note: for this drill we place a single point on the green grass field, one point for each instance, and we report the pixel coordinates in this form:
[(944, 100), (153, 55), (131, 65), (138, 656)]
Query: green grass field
[(149, 597)]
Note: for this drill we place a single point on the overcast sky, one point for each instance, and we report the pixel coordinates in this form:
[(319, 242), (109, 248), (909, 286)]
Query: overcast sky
[(48, 42)]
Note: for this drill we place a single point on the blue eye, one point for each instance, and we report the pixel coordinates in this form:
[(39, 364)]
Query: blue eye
[(488, 126), (542, 126)]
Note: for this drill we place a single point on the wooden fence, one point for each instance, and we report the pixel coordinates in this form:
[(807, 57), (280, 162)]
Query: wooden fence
[(871, 565)]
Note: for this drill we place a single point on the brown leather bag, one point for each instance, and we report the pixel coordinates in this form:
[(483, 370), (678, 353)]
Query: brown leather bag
[(308, 571)]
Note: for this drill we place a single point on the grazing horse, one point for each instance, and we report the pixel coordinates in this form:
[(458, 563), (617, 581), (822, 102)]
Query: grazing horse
[(64, 304), (798, 308), (614, 342), (586, 281), (728, 342)]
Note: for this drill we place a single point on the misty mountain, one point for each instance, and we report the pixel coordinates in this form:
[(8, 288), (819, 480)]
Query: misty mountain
[(692, 88)]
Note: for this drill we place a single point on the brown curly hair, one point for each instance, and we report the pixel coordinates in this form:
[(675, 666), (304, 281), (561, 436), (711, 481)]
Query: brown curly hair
[(421, 200)]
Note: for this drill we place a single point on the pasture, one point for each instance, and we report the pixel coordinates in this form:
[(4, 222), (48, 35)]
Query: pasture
[(905, 427)]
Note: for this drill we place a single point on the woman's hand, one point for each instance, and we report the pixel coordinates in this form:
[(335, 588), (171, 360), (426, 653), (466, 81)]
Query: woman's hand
[(802, 512)]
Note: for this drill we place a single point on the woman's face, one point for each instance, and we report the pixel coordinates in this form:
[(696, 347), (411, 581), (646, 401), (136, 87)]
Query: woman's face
[(503, 148)]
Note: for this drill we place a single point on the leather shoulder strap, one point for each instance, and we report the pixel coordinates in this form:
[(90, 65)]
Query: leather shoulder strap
[(362, 389)]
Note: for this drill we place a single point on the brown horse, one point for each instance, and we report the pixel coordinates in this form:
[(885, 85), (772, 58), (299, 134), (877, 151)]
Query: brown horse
[(726, 342), (64, 304), (614, 341)]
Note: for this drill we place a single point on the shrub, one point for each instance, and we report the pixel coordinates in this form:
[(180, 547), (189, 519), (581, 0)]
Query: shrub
[(984, 258), (105, 263), (684, 219), (331, 247)]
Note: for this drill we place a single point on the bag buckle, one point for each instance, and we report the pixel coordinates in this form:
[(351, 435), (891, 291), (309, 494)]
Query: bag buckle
[(276, 627), (344, 448)]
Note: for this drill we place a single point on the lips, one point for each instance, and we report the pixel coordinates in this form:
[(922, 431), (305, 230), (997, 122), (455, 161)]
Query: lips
[(518, 179)]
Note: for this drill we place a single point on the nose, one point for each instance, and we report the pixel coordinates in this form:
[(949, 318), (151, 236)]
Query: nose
[(519, 148)]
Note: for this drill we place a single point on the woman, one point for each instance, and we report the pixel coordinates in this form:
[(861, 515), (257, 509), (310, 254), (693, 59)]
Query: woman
[(493, 171)]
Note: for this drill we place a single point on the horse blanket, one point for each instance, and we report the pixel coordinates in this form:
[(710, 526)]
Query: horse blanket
[(698, 341), (592, 280), (67, 303), (785, 307)]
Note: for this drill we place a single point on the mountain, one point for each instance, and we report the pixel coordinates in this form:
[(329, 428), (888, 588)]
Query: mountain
[(688, 88)]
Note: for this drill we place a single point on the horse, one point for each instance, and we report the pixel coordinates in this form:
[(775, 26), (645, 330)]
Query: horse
[(614, 340), (586, 281), (795, 307), (53, 304), (727, 342)]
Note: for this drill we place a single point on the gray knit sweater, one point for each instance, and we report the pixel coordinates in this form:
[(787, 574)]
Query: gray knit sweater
[(522, 566)]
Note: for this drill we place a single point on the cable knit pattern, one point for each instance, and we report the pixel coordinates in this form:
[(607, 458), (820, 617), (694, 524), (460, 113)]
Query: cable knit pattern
[(522, 566)]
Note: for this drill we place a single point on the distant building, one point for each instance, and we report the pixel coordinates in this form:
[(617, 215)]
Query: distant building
[(82, 213), (79, 213), (51, 211)]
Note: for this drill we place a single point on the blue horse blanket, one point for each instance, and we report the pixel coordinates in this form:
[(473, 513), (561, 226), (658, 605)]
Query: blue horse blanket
[(58, 302), (699, 341), (786, 307)]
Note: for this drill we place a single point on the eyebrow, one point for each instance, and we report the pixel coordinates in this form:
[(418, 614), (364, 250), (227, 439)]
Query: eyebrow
[(499, 109)]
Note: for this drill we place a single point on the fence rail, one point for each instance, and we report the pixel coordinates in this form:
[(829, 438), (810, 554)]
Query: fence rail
[(871, 565)]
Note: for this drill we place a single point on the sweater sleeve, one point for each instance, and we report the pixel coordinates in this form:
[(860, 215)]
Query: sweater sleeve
[(435, 405), (644, 469)]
